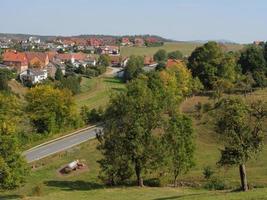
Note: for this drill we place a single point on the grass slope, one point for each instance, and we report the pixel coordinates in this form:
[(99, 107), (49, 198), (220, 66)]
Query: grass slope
[(86, 185), (185, 47), (95, 92)]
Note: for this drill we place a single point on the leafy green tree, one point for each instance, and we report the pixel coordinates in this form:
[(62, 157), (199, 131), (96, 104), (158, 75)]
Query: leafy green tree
[(161, 65), (241, 129), (133, 68), (129, 123), (246, 83), (260, 78), (252, 60), (160, 56), (221, 86), (5, 76), (58, 74), (72, 83), (179, 145), (104, 60), (265, 51), (51, 109), (208, 62), (13, 168), (175, 55)]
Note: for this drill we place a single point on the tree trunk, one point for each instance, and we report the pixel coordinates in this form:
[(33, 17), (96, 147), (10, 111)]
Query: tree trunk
[(175, 181), (243, 177), (140, 182)]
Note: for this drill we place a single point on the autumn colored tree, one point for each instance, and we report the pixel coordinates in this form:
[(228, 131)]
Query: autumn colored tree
[(51, 109)]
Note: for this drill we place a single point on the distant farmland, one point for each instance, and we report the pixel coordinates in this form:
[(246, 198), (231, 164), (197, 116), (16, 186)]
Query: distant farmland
[(185, 47)]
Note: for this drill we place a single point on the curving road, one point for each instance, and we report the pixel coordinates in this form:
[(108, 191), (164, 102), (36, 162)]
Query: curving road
[(59, 145)]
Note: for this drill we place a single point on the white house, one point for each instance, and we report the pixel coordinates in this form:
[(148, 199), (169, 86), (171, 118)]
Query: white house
[(33, 76)]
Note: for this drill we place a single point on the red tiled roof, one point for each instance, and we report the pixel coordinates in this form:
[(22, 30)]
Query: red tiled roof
[(148, 60), (40, 55), (69, 56), (13, 56), (51, 55), (172, 62)]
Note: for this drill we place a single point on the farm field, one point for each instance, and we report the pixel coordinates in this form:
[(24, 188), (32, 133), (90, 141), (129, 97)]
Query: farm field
[(86, 185), (185, 47)]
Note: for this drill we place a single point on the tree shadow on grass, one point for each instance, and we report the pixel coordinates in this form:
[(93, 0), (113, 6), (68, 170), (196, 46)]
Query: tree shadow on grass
[(177, 197), (112, 80), (74, 185), (9, 197)]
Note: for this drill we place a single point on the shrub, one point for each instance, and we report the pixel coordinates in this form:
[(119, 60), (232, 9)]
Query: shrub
[(215, 184), (207, 172), (153, 182)]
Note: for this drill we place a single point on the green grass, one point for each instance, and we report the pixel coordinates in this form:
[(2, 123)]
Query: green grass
[(185, 47), (86, 185), (96, 92)]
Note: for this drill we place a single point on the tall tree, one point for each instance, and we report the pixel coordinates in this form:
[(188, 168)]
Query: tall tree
[(160, 55), (252, 60), (58, 74), (133, 68), (175, 55), (130, 120), (104, 60), (179, 145), (241, 129), (209, 63)]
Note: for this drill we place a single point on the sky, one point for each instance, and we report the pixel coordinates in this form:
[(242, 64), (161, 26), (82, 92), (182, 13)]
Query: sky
[(240, 21)]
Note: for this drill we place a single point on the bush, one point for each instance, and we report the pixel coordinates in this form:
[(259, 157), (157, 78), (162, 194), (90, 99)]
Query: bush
[(153, 182), (91, 116), (215, 184), (207, 172)]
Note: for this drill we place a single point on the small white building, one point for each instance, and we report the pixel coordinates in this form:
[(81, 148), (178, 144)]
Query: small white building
[(33, 76)]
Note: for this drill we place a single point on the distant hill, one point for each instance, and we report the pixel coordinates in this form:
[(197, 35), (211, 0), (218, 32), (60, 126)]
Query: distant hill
[(50, 37)]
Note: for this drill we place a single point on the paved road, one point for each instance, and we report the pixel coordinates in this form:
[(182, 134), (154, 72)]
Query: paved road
[(60, 145)]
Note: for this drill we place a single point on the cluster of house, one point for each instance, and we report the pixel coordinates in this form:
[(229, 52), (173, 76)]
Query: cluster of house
[(101, 45), (35, 67)]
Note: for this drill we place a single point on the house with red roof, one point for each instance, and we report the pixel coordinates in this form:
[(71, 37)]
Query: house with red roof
[(37, 59), (125, 41), (111, 50), (15, 60), (139, 42)]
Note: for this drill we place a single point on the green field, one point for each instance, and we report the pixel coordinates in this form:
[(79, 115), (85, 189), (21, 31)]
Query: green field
[(86, 185), (95, 92), (185, 47)]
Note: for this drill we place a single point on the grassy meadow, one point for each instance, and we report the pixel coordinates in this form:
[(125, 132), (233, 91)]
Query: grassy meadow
[(185, 47), (96, 92), (86, 185)]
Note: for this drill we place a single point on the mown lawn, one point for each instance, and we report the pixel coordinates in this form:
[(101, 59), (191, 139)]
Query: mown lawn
[(185, 47), (86, 185)]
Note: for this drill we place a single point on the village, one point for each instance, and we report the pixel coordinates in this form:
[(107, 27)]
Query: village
[(34, 60)]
